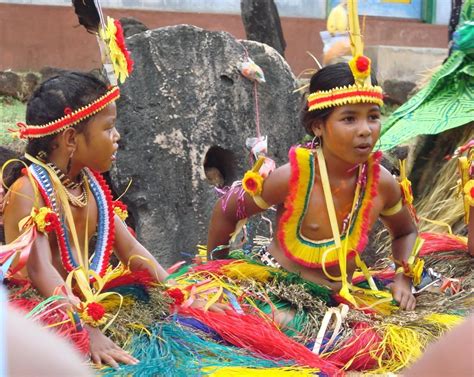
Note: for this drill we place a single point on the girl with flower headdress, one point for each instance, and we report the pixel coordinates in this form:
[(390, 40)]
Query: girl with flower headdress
[(331, 192), (58, 202)]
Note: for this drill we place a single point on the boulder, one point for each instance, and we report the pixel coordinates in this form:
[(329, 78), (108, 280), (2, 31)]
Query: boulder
[(10, 84), (397, 92), (132, 26), (186, 111)]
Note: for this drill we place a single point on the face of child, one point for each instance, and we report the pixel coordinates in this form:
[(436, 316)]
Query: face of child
[(351, 132), (98, 144)]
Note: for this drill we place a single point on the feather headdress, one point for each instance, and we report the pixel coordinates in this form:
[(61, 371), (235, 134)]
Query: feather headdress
[(116, 58)]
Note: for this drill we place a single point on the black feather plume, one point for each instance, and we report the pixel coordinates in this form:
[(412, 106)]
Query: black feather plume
[(88, 14)]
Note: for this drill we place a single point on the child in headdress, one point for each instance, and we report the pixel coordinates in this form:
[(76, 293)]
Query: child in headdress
[(332, 190)]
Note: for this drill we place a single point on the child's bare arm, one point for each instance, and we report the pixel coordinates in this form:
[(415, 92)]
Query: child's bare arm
[(223, 222), (40, 269), (131, 252), (404, 233)]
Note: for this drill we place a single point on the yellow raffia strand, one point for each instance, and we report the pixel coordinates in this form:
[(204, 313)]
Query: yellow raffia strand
[(405, 183), (245, 270), (468, 198), (116, 55), (445, 320), (80, 278), (215, 282), (400, 347), (414, 264), (250, 372), (379, 301)]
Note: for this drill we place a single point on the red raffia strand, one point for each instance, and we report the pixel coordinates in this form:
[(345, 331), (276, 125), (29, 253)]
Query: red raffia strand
[(437, 242), (374, 164), (140, 277), (214, 266), (260, 337), (67, 331), (361, 350)]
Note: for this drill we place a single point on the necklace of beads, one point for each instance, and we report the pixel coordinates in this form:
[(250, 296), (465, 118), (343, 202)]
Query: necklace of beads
[(99, 260), (80, 200)]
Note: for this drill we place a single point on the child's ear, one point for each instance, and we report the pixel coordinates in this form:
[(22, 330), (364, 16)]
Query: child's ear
[(70, 138), (317, 127)]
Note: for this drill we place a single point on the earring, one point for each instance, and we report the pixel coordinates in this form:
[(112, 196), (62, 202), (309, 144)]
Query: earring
[(316, 142), (69, 163), (42, 156)]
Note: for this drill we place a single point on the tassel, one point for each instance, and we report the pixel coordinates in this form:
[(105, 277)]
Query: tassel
[(436, 242)]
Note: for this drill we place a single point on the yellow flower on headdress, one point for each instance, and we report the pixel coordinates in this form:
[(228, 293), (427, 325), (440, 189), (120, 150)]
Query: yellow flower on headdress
[(252, 183), (360, 66), (119, 55)]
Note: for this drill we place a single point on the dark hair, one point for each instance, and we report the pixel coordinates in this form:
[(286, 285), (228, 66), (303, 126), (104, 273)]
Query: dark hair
[(329, 77), (48, 102)]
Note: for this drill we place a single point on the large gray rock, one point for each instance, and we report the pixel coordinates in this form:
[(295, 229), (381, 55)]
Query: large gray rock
[(186, 96)]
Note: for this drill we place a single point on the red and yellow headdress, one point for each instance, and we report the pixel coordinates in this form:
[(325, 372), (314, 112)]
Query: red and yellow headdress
[(70, 118), (362, 91)]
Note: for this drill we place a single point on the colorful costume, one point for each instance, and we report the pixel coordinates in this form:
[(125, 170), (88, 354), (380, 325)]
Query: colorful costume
[(316, 253)]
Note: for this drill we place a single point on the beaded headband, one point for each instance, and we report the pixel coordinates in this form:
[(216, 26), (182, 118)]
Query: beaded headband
[(362, 91), (27, 131)]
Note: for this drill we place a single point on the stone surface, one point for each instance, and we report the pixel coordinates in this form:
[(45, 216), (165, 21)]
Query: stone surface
[(18, 85), (10, 84), (132, 26), (185, 96), (397, 92), (262, 23)]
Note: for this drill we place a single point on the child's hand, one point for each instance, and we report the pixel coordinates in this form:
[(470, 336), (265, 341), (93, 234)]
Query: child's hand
[(401, 291), (103, 350)]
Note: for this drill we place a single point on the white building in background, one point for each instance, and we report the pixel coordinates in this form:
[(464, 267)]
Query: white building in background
[(439, 10)]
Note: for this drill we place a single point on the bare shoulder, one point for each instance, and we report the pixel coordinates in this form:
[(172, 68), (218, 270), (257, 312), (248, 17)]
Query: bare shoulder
[(275, 187), (22, 192), (389, 188), (19, 201)]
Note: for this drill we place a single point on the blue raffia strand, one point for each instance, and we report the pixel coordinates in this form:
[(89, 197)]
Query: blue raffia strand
[(175, 352)]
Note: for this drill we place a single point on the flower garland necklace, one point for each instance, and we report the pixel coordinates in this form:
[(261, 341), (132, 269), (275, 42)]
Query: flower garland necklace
[(99, 260)]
